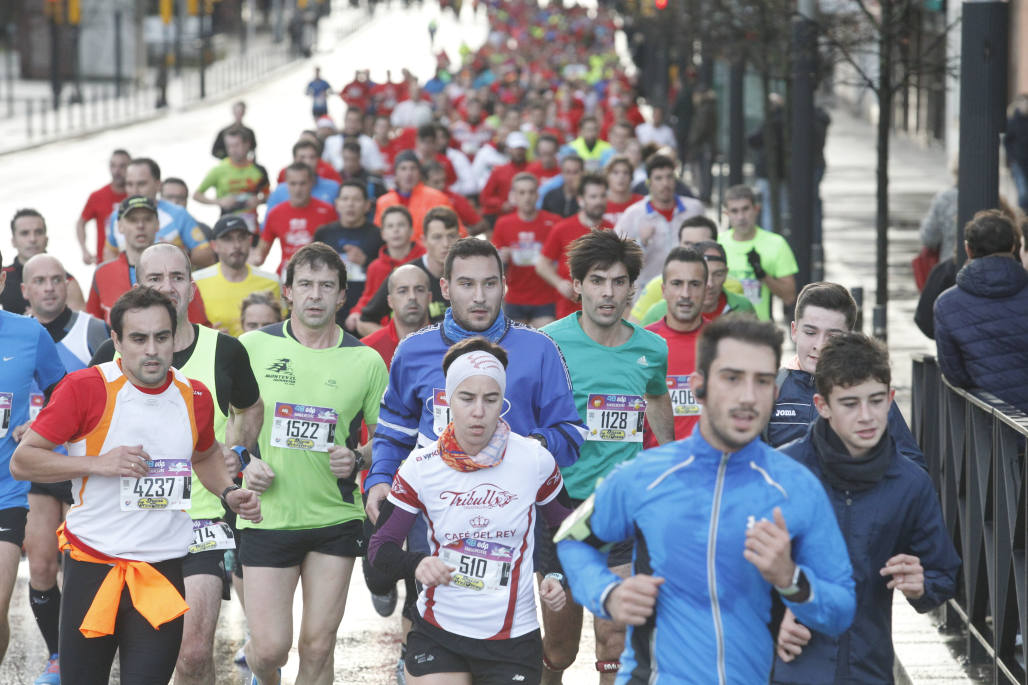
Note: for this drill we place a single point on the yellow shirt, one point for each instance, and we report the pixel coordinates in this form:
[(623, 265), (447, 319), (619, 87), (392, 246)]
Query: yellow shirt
[(222, 298)]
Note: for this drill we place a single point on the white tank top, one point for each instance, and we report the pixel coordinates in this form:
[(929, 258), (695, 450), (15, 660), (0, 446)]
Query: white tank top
[(164, 424)]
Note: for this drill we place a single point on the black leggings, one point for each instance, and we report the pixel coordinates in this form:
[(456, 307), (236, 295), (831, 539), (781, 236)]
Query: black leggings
[(147, 656)]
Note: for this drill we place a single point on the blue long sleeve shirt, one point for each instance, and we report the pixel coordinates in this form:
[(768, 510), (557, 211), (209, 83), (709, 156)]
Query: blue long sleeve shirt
[(688, 507), (413, 412)]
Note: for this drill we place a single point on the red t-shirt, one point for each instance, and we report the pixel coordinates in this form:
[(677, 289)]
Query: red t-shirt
[(525, 240), (295, 226), (555, 248), (536, 169), (77, 406), (324, 170), (681, 361), (384, 341), (465, 210), (722, 302), (616, 209), (99, 207), (355, 94)]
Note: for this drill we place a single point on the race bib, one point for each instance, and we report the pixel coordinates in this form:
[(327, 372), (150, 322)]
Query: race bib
[(303, 427), (6, 407), (481, 565), (751, 289), (36, 401), (526, 250), (683, 402), (615, 418), (440, 411), (208, 535), (166, 486)]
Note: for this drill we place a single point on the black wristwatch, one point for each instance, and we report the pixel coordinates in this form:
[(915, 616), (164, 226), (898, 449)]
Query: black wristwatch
[(358, 462), (224, 495)]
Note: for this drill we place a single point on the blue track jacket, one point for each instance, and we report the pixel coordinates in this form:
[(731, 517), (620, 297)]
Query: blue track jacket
[(688, 507)]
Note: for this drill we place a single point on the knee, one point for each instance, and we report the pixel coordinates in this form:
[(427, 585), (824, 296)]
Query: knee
[(43, 570), (266, 655), (610, 645), (316, 648), (194, 658), (559, 654)]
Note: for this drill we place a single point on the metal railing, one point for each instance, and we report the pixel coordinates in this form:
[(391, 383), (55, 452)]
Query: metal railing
[(976, 449)]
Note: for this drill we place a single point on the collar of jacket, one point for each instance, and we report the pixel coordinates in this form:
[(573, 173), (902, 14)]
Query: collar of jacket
[(704, 451)]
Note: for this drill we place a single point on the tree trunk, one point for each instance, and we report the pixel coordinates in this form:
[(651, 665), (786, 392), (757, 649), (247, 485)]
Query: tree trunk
[(885, 95)]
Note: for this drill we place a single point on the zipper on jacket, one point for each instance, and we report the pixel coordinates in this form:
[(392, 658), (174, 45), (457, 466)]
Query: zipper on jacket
[(715, 606)]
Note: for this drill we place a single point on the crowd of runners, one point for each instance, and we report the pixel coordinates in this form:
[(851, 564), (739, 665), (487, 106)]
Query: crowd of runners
[(496, 288)]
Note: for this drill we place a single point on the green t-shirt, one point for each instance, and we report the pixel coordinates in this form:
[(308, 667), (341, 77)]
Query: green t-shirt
[(228, 179), (609, 383), (775, 256), (301, 388)]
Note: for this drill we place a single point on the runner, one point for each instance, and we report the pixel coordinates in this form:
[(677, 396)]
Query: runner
[(318, 91), (240, 184), (293, 223), (259, 310), (414, 410), (441, 231), (175, 224), (472, 559), (715, 527), (552, 264), (29, 238), (30, 362), (318, 383), (519, 236), (823, 311), (693, 231), (226, 284), (77, 336), (101, 204), (619, 373), (685, 284), (324, 189), (409, 297), (132, 426), (138, 223), (619, 191), (221, 363)]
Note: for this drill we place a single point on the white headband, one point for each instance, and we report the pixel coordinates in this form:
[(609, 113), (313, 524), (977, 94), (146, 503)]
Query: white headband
[(475, 363)]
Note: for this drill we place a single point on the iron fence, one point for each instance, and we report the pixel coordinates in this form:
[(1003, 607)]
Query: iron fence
[(976, 449)]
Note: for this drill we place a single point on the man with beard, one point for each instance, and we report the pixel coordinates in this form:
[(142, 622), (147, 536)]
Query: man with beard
[(715, 516)]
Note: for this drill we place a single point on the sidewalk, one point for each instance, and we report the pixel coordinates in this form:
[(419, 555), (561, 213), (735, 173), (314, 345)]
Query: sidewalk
[(848, 193), (34, 122)]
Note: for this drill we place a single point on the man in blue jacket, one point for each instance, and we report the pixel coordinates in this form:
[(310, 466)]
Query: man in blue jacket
[(721, 522), (823, 310), (981, 323), (888, 512)]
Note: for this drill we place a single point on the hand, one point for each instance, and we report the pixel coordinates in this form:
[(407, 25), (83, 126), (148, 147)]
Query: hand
[(122, 461), (257, 475), (646, 234), (246, 503), (355, 255), (753, 257), (792, 637), (907, 575), (373, 499), (341, 460), (566, 289), (87, 257), (19, 431), (551, 592), (768, 548), (351, 321), (432, 571), (634, 600)]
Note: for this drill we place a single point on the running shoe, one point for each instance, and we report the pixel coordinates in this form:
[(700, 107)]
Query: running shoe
[(240, 658), (401, 675), (52, 674), (385, 604)]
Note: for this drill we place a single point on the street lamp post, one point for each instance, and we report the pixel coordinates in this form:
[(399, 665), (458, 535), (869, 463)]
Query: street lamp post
[(801, 181)]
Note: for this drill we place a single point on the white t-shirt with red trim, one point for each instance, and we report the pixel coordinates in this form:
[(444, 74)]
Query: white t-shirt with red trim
[(481, 523)]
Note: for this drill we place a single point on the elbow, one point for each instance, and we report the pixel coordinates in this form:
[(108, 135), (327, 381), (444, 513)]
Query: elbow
[(18, 465)]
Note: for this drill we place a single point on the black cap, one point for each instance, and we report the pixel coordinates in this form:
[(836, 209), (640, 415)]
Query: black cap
[(227, 224), (136, 202), (406, 156)]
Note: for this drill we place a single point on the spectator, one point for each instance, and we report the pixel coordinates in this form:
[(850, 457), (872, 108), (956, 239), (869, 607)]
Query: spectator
[(981, 323), (1015, 140), (888, 512), (703, 141), (939, 225), (770, 161)]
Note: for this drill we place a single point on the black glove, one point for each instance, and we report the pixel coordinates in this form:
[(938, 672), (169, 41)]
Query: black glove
[(754, 259)]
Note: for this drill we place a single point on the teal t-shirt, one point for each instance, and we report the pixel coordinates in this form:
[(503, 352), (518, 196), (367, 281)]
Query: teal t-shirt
[(775, 256), (609, 384)]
